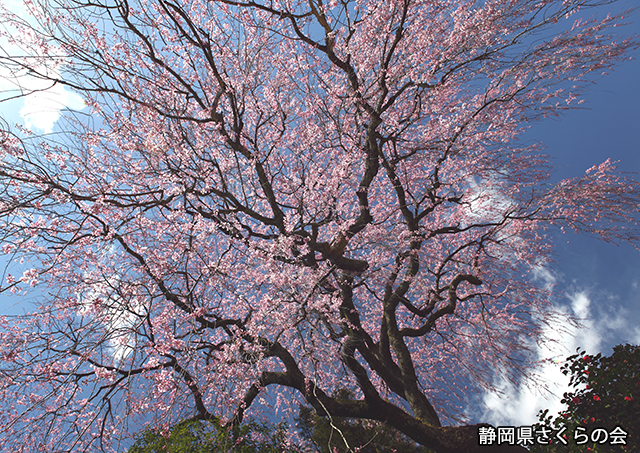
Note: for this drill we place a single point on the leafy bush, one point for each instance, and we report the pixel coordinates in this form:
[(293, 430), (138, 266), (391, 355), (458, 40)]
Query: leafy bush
[(606, 393), (197, 436)]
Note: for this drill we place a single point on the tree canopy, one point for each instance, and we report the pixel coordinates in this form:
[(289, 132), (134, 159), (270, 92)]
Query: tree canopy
[(272, 200)]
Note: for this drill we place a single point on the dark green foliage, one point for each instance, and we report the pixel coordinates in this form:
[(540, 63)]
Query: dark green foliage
[(607, 390), (196, 436)]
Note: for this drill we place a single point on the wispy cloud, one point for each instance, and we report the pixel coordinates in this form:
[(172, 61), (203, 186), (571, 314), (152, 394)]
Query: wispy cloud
[(42, 101), (519, 405), (118, 317), (42, 108)]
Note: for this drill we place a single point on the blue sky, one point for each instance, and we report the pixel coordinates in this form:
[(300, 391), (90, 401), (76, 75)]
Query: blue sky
[(596, 281)]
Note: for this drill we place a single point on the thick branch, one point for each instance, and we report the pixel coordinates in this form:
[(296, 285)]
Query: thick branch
[(446, 310), (463, 439)]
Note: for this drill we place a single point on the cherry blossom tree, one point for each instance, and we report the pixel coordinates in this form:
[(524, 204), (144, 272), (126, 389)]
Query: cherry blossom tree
[(274, 200)]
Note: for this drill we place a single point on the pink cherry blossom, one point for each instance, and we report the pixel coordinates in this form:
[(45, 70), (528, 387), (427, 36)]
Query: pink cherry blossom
[(273, 201)]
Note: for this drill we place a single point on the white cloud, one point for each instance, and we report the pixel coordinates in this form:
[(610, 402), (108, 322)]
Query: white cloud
[(580, 305), (519, 405), (485, 200), (42, 101), (543, 273), (119, 317), (516, 406), (102, 301), (42, 108)]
